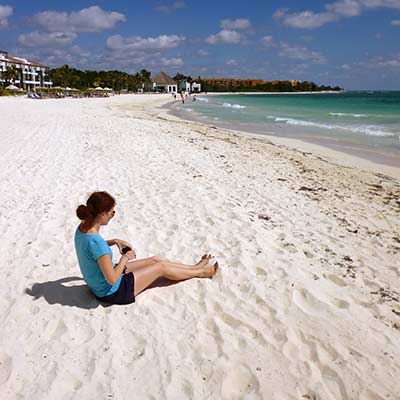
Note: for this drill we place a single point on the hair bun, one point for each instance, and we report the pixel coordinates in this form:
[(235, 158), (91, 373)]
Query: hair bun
[(82, 212), (97, 203)]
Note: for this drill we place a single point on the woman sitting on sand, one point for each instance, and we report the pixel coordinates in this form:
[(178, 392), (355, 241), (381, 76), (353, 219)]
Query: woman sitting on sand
[(120, 283)]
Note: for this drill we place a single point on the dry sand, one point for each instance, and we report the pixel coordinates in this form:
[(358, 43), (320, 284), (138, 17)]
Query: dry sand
[(306, 303)]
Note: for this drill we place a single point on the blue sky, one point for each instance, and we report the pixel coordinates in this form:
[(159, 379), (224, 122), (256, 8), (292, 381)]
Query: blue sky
[(351, 43)]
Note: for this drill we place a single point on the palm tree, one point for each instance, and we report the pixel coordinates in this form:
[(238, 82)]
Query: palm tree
[(145, 76), (10, 74), (64, 76)]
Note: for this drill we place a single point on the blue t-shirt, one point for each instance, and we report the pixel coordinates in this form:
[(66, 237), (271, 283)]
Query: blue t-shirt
[(89, 248)]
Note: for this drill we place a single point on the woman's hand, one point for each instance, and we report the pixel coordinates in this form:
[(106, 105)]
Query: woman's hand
[(121, 244), (130, 254)]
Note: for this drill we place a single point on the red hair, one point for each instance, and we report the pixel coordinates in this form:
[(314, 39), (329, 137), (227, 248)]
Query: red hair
[(97, 203)]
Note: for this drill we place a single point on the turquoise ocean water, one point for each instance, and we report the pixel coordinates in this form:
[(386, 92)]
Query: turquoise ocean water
[(365, 123)]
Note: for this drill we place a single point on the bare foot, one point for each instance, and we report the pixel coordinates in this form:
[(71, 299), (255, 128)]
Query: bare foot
[(204, 261), (209, 271), (216, 266)]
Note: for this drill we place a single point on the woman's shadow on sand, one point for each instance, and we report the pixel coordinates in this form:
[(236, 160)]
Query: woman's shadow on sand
[(63, 292), (73, 295)]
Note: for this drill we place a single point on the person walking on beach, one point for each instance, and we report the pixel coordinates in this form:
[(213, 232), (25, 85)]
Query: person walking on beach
[(120, 283)]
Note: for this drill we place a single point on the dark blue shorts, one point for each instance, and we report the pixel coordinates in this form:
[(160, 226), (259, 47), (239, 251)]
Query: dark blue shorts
[(124, 294)]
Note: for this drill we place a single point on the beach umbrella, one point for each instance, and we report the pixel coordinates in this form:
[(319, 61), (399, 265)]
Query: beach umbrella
[(12, 87), (99, 88)]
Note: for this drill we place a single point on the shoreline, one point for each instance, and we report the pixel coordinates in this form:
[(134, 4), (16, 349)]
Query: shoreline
[(342, 154), (308, 92)]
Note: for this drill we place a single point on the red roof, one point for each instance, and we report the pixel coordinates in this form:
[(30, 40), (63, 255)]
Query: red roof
[(23, 61)]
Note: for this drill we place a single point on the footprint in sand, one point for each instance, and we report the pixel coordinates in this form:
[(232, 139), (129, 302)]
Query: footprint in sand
[(240, 383), (308, 303), (210, 346), (290, 247), (339, 303), (261, 273), (336, 280), (333, 384), (313, 306), (55, 329), (367, 394)]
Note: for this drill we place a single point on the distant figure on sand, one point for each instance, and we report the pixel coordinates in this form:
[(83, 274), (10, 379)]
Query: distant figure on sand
[(120, 283)]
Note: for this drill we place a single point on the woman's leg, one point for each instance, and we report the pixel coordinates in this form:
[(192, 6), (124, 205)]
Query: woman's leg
[(146, 275), (132, 266)]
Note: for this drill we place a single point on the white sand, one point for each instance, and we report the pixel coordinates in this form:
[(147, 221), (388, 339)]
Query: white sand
[(306, 305)]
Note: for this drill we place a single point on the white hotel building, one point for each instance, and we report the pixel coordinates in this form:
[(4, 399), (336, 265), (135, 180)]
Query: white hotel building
[(30, 74)]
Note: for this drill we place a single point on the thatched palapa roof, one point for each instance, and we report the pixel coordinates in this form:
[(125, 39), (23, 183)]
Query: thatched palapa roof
[(163, 79)]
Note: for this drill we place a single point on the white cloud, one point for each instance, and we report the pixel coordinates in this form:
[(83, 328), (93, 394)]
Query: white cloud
[(235, 24), (141, 52), (172, 62), (5, 12), (229, 33), (379, 62), (170, 8), (268, 41), (41, 39), (55, 57), (137, 43), (345, 8), (395, 63), (395, 22), (202, 53), (304, 19), (293, 51), (232, 62), (225, 36), (333, 11), (301, 53), (92, 19)]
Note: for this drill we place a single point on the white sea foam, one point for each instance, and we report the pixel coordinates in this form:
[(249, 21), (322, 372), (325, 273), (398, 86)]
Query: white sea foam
[(371, 131), (338, 114), (368, 130), (229, 105), (202, 99)]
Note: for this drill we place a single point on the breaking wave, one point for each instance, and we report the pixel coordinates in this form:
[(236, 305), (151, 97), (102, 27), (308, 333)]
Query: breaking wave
[(229, 105), (338, 114), (368, 130)]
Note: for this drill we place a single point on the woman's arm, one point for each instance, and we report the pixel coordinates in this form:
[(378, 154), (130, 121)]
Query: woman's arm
[(121, 244), (110, 273), (112, 242)]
